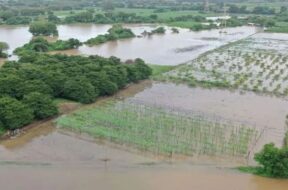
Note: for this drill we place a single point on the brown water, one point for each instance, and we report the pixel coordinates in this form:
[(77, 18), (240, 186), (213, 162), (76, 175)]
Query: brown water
[(46, 178), (157, 49), (265, 113), (45, 157)]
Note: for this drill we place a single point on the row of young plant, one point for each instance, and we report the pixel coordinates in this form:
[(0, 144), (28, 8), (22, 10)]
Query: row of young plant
[(240, 66), (162, 131), (29, 86)]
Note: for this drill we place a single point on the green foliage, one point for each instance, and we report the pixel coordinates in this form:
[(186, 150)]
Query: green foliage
[(80, 89), (14, 114), (44, 28), (273, 161), (35, 80), (39, 44), (159, 30), (3, 46), (41, 104), (114, 33), (159, 69)]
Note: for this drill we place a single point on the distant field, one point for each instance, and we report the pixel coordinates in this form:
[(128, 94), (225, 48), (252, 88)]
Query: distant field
[(281, 27), (252, 5)]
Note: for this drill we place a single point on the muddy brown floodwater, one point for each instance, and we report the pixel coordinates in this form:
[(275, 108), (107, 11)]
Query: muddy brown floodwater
[(46, 157), (156, 49)]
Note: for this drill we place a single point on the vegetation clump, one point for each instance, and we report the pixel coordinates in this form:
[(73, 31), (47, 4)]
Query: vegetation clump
[(29, 86), (43, 28), (3, 47), (40, 44), (273, 162), (159, 30), (114, 33)]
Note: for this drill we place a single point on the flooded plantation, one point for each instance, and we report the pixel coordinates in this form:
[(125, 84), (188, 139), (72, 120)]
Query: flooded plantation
[(257, 63), (69, 160)]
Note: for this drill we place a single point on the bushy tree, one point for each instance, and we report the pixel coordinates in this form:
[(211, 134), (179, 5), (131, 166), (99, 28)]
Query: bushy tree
[(80, 89), (41, 104), (38, 78), (273, 160), (3, 46), (14, 114), (11, 85), (44, 28)]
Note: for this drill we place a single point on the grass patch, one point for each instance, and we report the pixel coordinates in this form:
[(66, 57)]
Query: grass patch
[(160, 69), (59, 101)]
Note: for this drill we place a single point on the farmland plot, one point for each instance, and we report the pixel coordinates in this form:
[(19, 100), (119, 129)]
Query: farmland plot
[(258, 63), (163, 131)]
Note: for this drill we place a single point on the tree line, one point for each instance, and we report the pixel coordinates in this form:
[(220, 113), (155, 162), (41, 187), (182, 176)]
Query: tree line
[(39, 44), (29, 86)]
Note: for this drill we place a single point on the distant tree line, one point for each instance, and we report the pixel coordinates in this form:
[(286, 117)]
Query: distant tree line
[(29, 86)]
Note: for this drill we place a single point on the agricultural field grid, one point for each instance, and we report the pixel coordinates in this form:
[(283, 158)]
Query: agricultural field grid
[(258, 63), (164, 130)]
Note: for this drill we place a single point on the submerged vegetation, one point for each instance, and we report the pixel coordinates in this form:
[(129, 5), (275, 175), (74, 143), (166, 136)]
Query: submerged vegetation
[(27, 87), (39, 44), (114, 33), (161, 130), (250, 64)]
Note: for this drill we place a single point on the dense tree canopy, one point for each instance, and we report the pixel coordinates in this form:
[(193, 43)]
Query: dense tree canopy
[(116, 32), (13, 113), (40, 44), (29, 86), (44, 28)]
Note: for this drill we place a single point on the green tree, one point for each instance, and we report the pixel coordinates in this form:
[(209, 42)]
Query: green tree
[(43, 28), (3, 47), (14, 114), (273, 161), (41, 104), (80, 89), (11, 86)]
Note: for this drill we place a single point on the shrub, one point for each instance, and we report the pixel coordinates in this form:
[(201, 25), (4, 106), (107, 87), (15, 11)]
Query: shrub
[(14, 114), (41, 104)]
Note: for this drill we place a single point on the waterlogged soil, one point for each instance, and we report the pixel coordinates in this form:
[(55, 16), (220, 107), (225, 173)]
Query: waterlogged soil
[(46, 157), (156, 49)]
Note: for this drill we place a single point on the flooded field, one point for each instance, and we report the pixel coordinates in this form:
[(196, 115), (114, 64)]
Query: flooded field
[(57, 159), (146, 178), (258, 63), (168, 49), (47, 156)]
